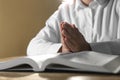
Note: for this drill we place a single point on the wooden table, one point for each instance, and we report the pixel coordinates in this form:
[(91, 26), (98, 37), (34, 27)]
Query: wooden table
[(56, 76), (8, 75)]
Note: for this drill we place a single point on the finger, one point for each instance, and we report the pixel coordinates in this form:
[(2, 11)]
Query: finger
[(75, 29), (72, 31), (61, 25), (61, 29), (65, 45), (63, 39), (69, 37), (69, 44), (68, 27), (73, 25), (78, 33), (66, 34)]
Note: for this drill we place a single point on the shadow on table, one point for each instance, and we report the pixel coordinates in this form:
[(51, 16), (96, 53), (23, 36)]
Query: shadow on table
[(14, 73), (51, 74), (77, 75), (77, 72)]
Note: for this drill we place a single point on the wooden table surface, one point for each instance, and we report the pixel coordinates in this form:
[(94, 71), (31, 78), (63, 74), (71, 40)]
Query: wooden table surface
[(56, 76), (10, 75)]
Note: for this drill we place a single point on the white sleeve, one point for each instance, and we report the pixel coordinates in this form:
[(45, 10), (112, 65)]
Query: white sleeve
[(110, 47), (47, 40)]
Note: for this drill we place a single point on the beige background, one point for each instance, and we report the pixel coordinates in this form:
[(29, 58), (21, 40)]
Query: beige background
[(20, 21)]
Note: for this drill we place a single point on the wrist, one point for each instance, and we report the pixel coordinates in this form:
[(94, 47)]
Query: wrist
[(65, 50), (83, 47), (87, 47)]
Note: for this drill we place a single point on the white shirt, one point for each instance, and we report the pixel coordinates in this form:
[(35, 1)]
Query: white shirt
[(99, 24)]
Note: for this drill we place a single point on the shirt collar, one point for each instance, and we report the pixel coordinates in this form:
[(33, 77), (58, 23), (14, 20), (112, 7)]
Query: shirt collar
[(94, 4)]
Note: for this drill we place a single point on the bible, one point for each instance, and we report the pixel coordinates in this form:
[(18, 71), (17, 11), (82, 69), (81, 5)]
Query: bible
[(82, 61)]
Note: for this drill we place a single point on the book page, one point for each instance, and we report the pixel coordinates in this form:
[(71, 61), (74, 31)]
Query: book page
[(34, 62), (89, 57), (43, 57)]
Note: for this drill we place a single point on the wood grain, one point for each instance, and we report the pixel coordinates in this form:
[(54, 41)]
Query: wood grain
[(56, 76)]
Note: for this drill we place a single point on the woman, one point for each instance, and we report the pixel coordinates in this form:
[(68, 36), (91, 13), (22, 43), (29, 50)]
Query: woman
[(80, 25)]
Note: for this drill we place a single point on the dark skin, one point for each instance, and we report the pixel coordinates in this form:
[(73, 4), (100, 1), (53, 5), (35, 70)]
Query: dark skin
[(72, 39)]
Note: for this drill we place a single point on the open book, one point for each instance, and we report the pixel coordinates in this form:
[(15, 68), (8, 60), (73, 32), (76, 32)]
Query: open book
[(82, 61)]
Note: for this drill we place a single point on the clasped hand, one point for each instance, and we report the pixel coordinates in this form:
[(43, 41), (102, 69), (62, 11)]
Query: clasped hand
[(72, 40)]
